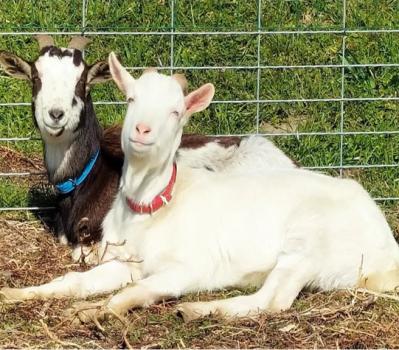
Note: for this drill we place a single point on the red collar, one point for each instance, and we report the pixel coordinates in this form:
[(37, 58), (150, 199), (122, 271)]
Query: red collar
[(159, 201)]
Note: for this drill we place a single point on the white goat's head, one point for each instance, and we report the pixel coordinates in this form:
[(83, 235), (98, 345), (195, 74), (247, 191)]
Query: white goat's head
[(60, 81), (157, 111)]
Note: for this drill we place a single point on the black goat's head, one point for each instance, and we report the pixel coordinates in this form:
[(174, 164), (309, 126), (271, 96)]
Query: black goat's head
[(60, 81)]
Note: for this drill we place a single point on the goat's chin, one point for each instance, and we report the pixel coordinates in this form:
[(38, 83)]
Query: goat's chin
[(140, 154), (140, 150), (55, 132), (50, 129), (49, 133)]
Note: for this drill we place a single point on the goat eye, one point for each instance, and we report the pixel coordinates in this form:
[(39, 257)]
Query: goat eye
[(130, 100), (36, 79), (176, 113)]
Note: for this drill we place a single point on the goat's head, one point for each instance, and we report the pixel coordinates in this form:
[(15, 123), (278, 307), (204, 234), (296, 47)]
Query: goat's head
[(60, 81), (157, 110)]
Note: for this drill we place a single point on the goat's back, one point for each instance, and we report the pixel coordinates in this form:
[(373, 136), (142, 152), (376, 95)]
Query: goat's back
[(111, 142)]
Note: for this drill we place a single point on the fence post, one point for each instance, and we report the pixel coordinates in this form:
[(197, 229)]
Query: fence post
[(341, 143)]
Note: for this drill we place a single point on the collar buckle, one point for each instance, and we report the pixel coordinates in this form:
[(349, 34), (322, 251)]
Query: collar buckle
[(158, 202), (72, 181), (164, 200)]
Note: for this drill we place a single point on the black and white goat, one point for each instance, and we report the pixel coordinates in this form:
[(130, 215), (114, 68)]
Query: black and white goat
[(83, 162), (188, 230), (72, 137)]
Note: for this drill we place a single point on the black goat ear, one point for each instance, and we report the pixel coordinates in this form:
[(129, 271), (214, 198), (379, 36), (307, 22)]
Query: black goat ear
[(98, 73), (15, 66)]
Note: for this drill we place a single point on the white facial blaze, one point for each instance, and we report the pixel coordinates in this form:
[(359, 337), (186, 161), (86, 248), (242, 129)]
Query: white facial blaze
[(58, 77)]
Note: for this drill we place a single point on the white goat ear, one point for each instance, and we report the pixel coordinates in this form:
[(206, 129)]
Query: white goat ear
[(98, 73), (15, 66), (199, 99), (120, 75)]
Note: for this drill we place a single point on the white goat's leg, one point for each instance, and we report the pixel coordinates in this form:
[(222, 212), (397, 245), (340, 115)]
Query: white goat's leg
[(169, 283), (103, 278), (279, 291)]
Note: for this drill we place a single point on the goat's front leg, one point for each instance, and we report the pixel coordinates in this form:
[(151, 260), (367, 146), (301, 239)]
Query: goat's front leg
[(166, 284), (107, 277)]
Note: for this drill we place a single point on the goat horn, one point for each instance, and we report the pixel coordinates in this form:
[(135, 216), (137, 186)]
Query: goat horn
[(44, 40), (149, 70), (78, 43), (181, 79)]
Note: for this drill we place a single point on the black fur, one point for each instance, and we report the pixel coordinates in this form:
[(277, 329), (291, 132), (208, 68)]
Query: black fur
[(94, 197), (77, 58)]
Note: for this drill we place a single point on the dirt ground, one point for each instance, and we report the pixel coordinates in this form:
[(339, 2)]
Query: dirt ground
[(30, 255)]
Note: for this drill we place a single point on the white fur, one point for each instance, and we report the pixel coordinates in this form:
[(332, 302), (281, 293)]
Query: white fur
[(63, 240), (58, 78), (57, 156), (279, 229), (283, 229)]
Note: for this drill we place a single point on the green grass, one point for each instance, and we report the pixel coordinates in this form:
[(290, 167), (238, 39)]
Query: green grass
[(191, 50), (17, 192)]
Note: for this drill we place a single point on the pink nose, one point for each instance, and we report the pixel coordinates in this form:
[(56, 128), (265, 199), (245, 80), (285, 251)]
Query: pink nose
[(142, 129)]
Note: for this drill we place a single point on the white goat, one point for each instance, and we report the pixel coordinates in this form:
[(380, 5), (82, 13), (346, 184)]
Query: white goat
[(280, 229)]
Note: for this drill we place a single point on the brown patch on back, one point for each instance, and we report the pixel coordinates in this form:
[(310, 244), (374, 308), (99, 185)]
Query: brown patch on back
[(111, 143), (193, 141)]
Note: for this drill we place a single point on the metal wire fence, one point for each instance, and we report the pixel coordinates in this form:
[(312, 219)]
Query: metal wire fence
[(249, 18)]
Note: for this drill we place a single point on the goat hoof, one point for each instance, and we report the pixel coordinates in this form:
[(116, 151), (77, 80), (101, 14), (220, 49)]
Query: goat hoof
[(11, 295), (70, 314), (190, 311)]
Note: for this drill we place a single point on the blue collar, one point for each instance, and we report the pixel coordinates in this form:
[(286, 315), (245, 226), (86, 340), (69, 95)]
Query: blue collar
[(69, 185)]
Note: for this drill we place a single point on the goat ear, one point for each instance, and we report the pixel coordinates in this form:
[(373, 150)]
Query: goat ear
[(15, 66), (199, 99), (120, 75), (98, 73)]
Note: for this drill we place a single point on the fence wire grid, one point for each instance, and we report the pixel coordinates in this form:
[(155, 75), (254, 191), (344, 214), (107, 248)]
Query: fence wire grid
[(261, 20)]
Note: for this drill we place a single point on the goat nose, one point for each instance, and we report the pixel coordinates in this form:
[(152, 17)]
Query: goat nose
[(143, 129), (56, 114)]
